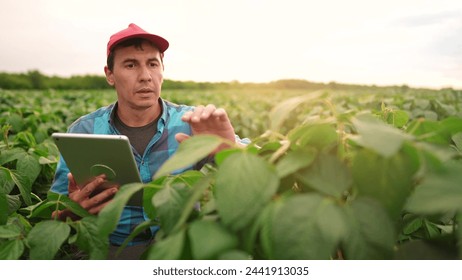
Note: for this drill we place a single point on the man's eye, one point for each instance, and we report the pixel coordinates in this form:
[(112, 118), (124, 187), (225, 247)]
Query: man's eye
[(154, 64), (131, 65)]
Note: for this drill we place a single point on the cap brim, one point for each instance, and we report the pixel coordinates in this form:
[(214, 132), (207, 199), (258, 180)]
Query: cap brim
[(160, 42)]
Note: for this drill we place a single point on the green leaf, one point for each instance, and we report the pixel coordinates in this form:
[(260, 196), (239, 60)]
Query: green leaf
[(170, 248), (3, 209), (459, 232), (66, 203), (23, 184), (434, 156), (9, 231), (378, 136), (413, 226), (322, 136), (194, 180), (11, 155), (110, 215), (307, 226), (332, 221), (149, 191), (422, 103), (371, 232), (140, 228), (398, 118), (389, 180), (169, 203), (22, 222), (46, 238), (190, 177), (427, 130), (26, 138), (16, 121), (294, 161), (439, 192), (451, 126), (234, 255), (244, 192), (327, 175), (283, 110), (49, 160), (43, 209), (268, 147), (89, 240), (223, 154), (178, 198), (29, 167), (189, 152), (6, 181), (265, 224), (425, 250), (11, 249), (457, 139), (431, 229), (430, 115), (14, 203), (198, 191), (209, 239), (57, 201)]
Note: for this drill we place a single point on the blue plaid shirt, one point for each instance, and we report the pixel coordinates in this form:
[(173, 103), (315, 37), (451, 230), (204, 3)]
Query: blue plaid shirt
[(160, 148)]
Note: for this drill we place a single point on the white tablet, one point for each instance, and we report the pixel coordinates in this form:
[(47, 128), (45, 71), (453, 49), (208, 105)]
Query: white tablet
[(89, 155)]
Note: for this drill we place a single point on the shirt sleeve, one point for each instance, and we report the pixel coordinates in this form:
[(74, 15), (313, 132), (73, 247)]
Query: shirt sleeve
[(244, 141), (60, 182)]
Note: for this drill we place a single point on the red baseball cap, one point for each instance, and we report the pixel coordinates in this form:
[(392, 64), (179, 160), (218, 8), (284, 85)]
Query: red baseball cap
[(134, 31)]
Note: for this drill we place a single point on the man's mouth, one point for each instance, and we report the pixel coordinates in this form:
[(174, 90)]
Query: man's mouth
[(145, 90)]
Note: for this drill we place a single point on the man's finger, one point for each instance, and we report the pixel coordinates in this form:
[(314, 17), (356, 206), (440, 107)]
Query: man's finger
[(180, 137), (72, 186), (220, 113), (197, 114), (95, 210), (100, 198), (208, 111), (89, 188), (187, 116)]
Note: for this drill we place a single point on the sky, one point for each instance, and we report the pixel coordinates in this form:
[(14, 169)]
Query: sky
[(388, 42)]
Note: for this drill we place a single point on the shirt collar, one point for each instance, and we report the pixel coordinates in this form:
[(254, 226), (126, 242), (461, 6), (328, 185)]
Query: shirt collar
[(162, 118)]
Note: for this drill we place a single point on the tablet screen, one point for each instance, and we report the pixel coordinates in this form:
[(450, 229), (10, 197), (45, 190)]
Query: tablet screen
[(89, 155)]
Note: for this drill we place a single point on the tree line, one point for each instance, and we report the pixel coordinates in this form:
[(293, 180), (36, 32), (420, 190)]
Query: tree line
[(35, 80)]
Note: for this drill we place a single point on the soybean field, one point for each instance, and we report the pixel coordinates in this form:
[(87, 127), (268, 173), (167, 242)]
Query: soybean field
[(360, 173)]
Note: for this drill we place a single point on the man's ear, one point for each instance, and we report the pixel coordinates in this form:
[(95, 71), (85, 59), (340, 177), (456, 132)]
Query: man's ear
[(109, 76)]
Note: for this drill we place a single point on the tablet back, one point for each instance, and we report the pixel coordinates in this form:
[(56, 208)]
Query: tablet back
[(89, 155)]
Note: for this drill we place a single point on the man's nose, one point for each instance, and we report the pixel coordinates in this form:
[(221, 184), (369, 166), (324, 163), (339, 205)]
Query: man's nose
[(145, 74)]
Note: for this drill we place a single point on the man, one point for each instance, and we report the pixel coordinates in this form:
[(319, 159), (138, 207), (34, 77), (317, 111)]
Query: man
[(154, 126)]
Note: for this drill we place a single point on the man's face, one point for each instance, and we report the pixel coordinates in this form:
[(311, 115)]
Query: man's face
[(137, 76)]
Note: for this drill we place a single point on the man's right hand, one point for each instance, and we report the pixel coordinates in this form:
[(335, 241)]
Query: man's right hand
[(85, 198)]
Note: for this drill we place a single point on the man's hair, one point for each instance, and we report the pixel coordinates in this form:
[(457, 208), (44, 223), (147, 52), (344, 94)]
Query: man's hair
[(136, 42)]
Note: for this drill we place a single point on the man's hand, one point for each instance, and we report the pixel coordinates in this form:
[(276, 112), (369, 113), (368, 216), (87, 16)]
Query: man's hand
[(85, 198), (208, 120)]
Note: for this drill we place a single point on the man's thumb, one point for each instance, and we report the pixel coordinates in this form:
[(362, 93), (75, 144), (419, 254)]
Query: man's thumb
[(72, 187), (180, 137)]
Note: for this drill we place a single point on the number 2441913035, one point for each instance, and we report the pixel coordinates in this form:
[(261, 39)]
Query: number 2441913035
[(277, 270)]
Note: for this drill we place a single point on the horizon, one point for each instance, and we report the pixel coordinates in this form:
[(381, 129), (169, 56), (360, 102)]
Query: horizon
[(244, 83), (410, 42)]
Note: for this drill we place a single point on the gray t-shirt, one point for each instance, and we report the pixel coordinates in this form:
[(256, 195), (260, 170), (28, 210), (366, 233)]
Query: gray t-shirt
[(139, 136)]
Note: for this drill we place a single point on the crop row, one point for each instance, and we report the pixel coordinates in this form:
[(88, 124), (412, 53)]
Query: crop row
[(329, 175)]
